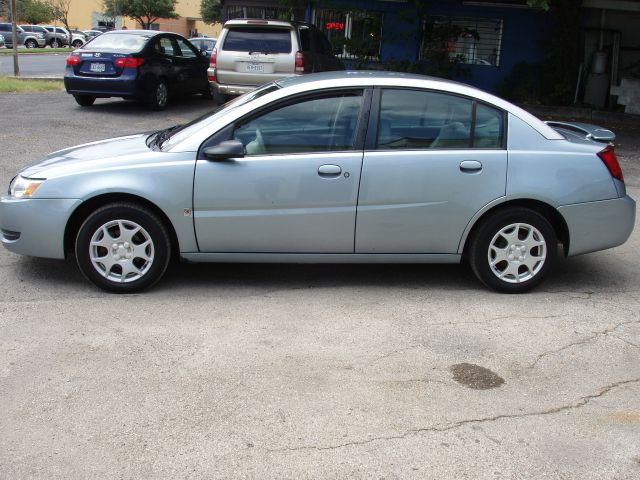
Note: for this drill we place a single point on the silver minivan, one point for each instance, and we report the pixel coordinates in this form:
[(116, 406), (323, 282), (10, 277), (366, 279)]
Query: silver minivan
[(252, 52)]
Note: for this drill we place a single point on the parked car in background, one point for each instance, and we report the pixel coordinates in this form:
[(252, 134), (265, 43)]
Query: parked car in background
[(91, 34), (250, 53), (146, 65), (37, 29), (28, 39), (1, 41), (204, 44), (358, 167), (59, 37)]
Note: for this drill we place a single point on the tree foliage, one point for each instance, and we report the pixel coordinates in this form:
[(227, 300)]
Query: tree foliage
[(34, 11), (211, 11), (145, 12)]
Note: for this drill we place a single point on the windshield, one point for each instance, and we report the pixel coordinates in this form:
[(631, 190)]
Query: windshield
[(119, 42), (183, 132)]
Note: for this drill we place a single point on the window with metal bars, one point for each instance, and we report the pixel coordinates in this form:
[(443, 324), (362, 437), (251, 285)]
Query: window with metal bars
[(474, 41), (357, 34)]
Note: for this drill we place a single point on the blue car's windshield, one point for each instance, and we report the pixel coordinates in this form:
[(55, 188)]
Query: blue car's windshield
[(179, 134)]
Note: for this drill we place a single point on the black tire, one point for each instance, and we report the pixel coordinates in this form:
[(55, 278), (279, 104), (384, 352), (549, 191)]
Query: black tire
[(207, 93), (529, 254), (151, 240), (218, 98), (55, 43), (31, 43), (158, 95), (77, 43), (84, 100)]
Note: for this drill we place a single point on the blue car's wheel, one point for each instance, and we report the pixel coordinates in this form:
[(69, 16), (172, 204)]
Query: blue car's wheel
[(84, 100), (158, 95)]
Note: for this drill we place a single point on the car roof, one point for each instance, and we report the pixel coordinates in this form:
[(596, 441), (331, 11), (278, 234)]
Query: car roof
[(148, 33), (261, 22), (409, 80)]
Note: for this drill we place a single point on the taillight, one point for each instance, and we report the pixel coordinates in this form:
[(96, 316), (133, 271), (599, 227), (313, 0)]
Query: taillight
[(299, 62), (129, 62), (212, 64), (608, 156), (73, 60)]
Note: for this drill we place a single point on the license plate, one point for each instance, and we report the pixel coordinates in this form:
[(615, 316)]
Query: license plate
[(97, 67), (255, 67)]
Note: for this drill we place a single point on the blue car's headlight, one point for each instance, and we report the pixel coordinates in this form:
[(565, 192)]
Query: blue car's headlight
[(22, 187)]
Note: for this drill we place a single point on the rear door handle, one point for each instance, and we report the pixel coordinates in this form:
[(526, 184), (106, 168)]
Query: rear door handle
[(470, 166), (329, 170)]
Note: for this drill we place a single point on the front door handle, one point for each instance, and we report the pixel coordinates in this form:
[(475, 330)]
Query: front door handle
[(329, 170), (470, 166)]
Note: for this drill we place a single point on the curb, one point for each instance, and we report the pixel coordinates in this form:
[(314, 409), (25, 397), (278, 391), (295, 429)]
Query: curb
[(47, 78)]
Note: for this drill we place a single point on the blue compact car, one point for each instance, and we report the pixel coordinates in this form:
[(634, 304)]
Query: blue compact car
[(348, 167), (136, 64)]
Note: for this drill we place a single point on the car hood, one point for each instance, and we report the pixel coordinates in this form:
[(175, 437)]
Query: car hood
[(91, 155)]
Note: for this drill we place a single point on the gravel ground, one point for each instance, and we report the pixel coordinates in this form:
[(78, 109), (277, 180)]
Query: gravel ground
[(287, 371)]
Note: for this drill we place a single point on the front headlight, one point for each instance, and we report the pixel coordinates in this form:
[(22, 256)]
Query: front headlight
[(22, 187)]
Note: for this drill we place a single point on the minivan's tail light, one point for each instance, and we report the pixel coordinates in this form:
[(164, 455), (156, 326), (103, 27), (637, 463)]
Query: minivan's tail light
[(129, 62), (299, 62), (73, 60), (608, 156), (212, 64)]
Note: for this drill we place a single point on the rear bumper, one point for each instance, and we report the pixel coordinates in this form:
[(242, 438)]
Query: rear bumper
[(241, 88), (123, 86), (600, 225)]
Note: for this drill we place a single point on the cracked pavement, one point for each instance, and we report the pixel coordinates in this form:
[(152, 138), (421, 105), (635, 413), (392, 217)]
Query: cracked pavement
[(309, 371)]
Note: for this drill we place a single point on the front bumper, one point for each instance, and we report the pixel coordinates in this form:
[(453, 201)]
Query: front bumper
[(599, 225), (35, 227)]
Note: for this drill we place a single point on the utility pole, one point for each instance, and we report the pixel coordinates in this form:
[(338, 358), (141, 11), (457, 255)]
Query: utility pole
[(14, 35)]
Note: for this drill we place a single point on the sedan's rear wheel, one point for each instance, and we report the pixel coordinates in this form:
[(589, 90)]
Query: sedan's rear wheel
[(77, 43), (158, 96), (513, 250), (123, 248), (84, 100), (55, 43)]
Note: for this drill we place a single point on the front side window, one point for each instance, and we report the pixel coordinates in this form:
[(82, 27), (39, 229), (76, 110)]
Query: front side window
[(319, 124), (413, 119), (186, 50)]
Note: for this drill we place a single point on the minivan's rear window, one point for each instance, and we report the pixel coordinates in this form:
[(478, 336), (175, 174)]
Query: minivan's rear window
[(118, 42), (263, 40)]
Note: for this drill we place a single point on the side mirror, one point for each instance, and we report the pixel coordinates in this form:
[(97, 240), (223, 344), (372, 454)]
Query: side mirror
[(225, 150)]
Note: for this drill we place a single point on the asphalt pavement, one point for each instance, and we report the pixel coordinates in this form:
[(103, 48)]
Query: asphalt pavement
[(312, 371), (35, 64)]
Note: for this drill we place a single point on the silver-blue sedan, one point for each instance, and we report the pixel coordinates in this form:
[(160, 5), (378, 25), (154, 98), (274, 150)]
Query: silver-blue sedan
[(337, 167)]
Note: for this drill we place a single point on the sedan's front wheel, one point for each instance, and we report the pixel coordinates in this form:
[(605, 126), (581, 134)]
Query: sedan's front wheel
[(123, 248), (55, 43), (513, 250)]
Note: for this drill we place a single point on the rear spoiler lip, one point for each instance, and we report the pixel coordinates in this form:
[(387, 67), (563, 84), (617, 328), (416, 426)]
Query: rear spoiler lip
[(591, 132)]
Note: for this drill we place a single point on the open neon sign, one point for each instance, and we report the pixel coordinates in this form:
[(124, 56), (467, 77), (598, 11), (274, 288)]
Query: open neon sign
[(335, 25)]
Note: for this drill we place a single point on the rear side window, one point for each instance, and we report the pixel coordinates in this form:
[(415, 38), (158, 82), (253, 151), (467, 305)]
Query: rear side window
[(264, 40), (412, 119), (119, 42), (488, 132)]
